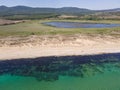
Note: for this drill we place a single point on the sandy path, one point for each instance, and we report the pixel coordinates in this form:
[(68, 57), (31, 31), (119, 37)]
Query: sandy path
[(58, 47)]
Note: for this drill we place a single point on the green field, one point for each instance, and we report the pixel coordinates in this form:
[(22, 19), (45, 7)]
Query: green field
[(35, 27)]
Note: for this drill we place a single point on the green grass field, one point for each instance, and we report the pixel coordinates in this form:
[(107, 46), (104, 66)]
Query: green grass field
[(35, 27)]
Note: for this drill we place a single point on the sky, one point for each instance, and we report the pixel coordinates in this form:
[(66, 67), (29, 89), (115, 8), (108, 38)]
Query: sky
[(89, 4)]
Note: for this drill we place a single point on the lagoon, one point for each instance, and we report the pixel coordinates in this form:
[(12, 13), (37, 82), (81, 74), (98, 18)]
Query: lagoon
[(80, 25)]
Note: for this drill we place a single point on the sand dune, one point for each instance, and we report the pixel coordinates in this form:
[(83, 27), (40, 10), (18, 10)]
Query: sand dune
[(39, 46)]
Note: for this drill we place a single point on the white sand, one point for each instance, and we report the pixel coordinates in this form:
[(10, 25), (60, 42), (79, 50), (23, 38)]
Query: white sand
[(58, 46)]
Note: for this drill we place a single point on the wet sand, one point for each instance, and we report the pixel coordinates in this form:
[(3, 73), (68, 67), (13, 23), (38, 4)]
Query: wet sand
[(40, 46)]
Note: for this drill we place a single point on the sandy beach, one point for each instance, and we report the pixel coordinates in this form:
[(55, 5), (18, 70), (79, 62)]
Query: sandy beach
[(40, 46)]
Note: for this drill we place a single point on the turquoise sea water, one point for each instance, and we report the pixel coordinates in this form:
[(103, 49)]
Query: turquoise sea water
[(98, 72)]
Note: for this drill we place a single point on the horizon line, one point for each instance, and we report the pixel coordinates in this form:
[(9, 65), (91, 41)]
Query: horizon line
[(57, 7)]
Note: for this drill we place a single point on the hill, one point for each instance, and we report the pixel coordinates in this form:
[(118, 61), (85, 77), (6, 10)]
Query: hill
[(29, 10), (24, 12)]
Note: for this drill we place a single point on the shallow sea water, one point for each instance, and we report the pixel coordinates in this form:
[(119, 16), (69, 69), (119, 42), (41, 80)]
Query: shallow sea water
[(95, 72)]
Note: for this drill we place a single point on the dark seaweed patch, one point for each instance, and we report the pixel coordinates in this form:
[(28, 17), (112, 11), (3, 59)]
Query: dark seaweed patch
[(50, 68)]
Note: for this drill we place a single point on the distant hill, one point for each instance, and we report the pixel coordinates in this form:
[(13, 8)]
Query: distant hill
[(29, 10), (109, 10), (65, 10), (24, 12), (73, 10)]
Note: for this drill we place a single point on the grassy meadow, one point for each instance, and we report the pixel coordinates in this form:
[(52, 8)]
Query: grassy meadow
[(35, 27)]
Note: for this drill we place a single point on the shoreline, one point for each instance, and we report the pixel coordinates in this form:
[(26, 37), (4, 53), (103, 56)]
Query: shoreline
[(44, 46)]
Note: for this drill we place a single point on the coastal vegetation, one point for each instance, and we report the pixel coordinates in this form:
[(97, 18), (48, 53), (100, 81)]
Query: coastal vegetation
[(36, 27), (25, 21)]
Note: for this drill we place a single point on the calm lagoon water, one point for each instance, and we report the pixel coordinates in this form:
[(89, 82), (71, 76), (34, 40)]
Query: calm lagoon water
[(93, 72), (80, 25)]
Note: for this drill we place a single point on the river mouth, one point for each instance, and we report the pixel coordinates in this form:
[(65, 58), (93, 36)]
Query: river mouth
[(80, 25), (91, 72)]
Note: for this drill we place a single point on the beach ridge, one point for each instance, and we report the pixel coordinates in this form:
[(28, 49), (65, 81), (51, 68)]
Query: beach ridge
[(59, 45)]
